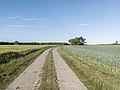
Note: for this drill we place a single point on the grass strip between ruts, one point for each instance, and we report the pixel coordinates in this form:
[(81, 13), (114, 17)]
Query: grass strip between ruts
[(49, 76)]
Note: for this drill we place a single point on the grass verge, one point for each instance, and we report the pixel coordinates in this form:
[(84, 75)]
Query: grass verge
[(92, 77), (49, 76), (9, 71)]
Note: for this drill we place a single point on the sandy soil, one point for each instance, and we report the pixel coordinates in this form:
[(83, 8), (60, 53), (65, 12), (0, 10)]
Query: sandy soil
[(66, 77), (28, 79)]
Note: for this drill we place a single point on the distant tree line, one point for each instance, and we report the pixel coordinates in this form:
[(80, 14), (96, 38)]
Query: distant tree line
[(77, 41), (32, 43)]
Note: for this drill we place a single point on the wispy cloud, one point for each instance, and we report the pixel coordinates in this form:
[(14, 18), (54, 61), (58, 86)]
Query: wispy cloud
[(17, 25), (13, 17), (23, 18), (84, 24), (12, 30), (18, 18), (34, 19), (27, 19)]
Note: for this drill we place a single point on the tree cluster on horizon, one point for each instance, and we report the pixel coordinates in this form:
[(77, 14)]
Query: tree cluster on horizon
[(77, 41)]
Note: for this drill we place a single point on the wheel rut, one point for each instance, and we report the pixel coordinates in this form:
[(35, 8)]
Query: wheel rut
[(66, 77), (28, 78)]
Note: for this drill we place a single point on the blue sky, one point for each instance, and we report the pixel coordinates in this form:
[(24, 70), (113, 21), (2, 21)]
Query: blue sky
[(59, 20)]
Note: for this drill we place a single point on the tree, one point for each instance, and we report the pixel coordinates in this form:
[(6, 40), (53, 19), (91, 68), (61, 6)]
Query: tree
[(72, 42), (16, 42), (77, 41), (82, 40), (116, 42)]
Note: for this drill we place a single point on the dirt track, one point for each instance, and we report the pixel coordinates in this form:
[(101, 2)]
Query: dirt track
[(67, 79), (28, 79)]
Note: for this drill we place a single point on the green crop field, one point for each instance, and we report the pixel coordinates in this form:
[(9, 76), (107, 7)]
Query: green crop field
[(98, 66), (16, 58), (108, 55)]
